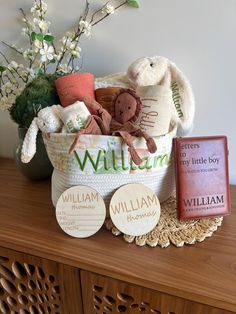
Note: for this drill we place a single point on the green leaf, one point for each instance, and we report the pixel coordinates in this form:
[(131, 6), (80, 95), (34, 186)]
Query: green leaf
[(2, 68), (33, 36), (39, 36), (53, 61), (39, 72), (133, 3), (49, 38)]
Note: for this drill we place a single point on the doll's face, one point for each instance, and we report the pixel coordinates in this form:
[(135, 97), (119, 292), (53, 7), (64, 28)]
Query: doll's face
[(125, 107)]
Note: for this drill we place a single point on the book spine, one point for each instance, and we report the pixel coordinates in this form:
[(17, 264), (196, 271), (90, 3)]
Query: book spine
[(177, 177)]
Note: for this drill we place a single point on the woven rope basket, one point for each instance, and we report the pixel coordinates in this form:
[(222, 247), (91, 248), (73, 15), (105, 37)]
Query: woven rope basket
[(103, 163)]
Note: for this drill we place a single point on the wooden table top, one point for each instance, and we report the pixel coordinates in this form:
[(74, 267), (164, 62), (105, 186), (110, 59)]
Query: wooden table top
[(204, 272)]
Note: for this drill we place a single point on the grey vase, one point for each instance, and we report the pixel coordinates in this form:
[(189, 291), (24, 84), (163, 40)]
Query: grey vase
[(39, 167)]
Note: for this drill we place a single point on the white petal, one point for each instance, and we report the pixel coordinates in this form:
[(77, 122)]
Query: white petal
[(42, 51), (45, 46), (44, 58), (51, 49), (49, 56)]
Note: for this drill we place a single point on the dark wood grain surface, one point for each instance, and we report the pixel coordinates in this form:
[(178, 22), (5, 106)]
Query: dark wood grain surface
[(205, 272)]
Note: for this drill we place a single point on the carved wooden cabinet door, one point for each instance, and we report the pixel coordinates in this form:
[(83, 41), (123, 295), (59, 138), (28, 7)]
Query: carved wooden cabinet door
[(103, 295), (32, 285)]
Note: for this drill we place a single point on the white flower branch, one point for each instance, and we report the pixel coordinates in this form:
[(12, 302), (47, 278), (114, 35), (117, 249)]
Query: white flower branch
[(42, 55)]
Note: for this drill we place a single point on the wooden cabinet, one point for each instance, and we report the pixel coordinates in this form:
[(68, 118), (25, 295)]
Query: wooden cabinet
[(42, 270), (105, 295), (29, 284)]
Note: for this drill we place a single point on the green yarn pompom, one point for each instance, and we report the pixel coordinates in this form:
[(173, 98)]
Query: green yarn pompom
[(39, 93)]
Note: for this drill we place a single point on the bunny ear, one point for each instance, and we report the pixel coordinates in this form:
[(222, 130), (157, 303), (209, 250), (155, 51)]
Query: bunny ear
[(183, 99), (29, 145), (56, 109), (166, 81)]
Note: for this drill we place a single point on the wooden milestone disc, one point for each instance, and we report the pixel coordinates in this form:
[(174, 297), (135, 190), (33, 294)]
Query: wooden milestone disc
[(135, 209), (80, 211)]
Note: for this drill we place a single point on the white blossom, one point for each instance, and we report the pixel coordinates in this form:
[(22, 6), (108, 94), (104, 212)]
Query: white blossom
[(31, 26), (33, 9), (31, 72), (24, 31), (37, 9), (58, 56), (28, 54), (41, 52), (68, 43), (46, 53), (7, 101), (75, 53), (36, 21), (64, 68), (70, 34), (7, 88), (13, 65), (43, 25), (108, 9), (38, 45), (44, 6), (85, 27)]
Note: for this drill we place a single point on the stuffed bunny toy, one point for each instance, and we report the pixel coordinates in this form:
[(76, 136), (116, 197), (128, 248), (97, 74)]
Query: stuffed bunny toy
[(47, 121), (151, 71)]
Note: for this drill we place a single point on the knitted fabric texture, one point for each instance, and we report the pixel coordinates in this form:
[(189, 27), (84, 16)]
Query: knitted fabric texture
[(47, 121), (170, 230)]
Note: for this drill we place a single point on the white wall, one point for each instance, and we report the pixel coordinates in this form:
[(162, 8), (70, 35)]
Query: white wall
[(199, 36)]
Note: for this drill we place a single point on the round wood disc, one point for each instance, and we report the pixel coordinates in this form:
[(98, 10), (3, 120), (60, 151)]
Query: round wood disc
[(80, 211), (135, 209)]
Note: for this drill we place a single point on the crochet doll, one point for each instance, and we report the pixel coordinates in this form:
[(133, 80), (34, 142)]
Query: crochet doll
[(126, 109)]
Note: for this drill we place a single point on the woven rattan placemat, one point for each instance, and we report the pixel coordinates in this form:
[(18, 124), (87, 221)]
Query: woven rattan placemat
[(171, 230)]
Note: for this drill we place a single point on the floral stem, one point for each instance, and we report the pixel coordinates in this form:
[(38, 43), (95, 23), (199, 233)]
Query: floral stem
[(1, 82), (72, 57), (62, 55), (7, 61), (15, 70), (96, 12), (27, 25), (13, 48), (81, 18), (8, 77), (117, 7)]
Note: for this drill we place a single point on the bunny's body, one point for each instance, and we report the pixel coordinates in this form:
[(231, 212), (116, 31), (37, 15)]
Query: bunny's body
[(47, 121)]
